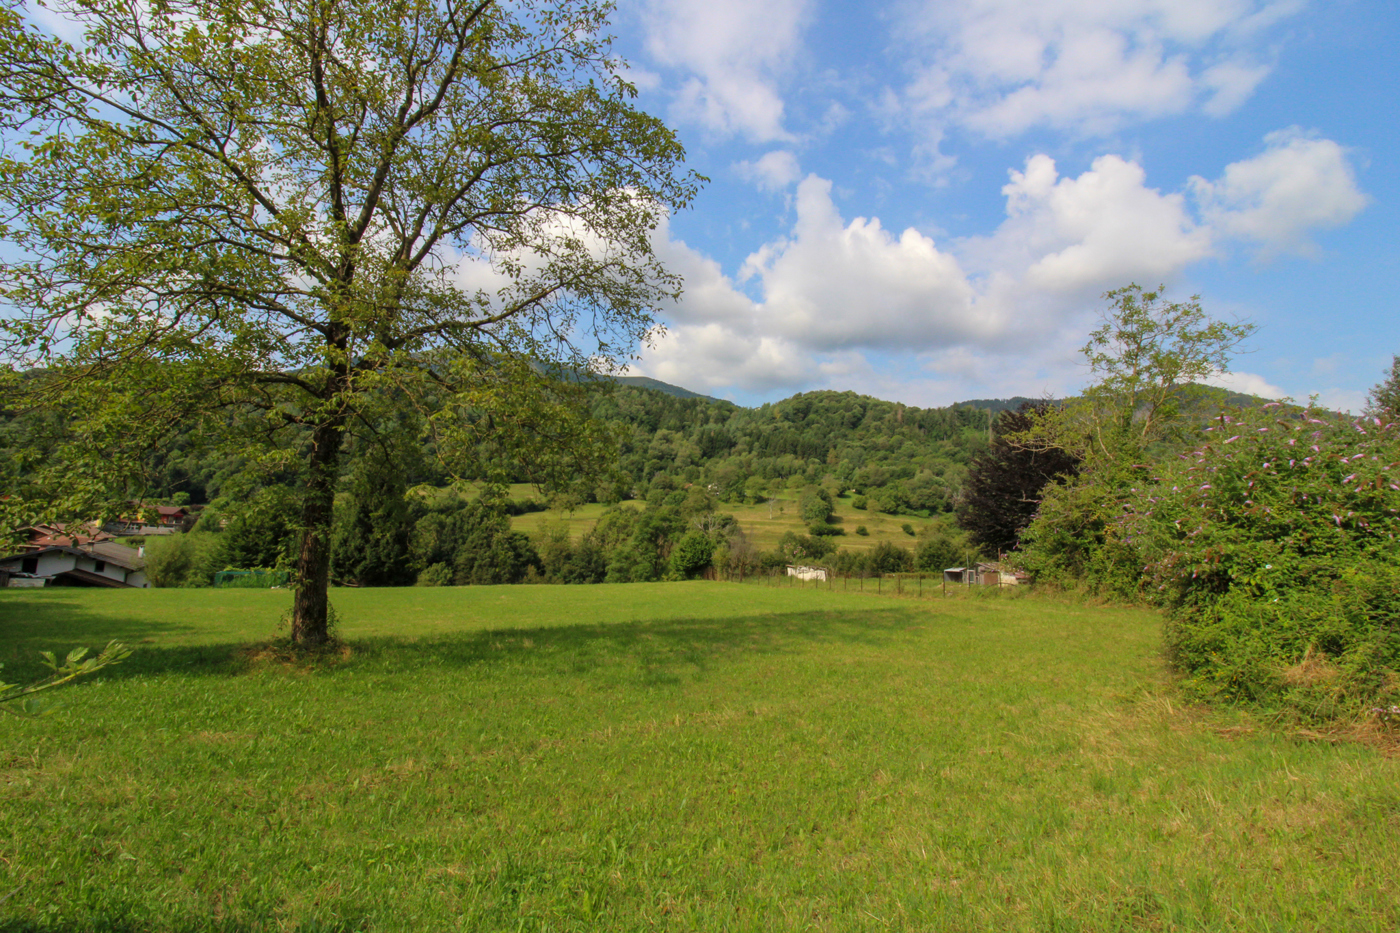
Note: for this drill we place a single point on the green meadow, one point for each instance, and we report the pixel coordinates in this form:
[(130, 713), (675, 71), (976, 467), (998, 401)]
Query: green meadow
[(681, 756)]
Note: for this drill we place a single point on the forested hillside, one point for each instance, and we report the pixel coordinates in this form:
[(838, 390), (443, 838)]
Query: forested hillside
[(902, 458)]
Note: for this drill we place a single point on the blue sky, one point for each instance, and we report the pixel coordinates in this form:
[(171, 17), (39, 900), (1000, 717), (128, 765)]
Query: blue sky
[(924, 200)]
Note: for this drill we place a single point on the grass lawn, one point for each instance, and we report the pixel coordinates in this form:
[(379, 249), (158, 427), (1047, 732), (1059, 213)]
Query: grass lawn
[(663, 756)]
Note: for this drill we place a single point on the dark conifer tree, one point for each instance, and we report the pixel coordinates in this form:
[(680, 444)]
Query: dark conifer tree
[(373, 526), (1004, 485)]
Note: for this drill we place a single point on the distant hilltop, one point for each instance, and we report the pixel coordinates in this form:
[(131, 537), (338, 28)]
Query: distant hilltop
[(646, 382), (992, 405), (1208, 395)]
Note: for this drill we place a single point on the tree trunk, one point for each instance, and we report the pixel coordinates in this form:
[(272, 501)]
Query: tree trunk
[(311, 605)]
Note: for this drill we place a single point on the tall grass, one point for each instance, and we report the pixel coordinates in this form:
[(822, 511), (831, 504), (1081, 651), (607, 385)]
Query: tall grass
[(663, 756)]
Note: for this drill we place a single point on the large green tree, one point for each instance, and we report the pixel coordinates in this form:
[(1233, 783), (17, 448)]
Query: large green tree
[(1147, 359), (294, 215), (1384, 397)]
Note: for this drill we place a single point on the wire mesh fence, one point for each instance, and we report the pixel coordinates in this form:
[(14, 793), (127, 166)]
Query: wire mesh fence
[(915, 584), (252, 579)]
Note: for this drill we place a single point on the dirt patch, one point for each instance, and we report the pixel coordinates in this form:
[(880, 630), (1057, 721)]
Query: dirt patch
[(1381, 734), (1312, 670), (222, 738), (288, 656)]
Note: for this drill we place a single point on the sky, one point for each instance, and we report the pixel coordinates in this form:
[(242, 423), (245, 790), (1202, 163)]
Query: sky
[(925, 200)]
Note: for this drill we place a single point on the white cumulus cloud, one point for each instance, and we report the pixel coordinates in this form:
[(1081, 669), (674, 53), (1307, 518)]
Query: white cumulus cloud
[(833, 284), (810, 306), (1001, 67), (772, 171), (1300, 183), (1246, 383), (1104, 226), (735, 52)]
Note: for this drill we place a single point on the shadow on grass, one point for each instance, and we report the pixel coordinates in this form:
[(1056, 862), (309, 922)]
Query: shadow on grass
[(53, 623), (58, 625)]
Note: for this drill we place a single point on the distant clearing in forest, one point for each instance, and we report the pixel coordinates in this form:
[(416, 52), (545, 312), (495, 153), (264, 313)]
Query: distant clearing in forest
[(763, 525)]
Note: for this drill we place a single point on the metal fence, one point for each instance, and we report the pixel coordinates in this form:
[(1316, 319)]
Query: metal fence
[(252, 579), (894, 584)]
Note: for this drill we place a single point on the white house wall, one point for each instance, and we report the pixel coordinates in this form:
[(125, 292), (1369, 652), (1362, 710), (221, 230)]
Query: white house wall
[(56, 562)]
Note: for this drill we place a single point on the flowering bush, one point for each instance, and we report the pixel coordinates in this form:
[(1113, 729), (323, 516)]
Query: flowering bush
[(1273, 548)]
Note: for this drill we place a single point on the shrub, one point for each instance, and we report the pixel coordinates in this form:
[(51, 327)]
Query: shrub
[(1273, 549), (692, 554), (184, 560), (862, 531), (859, 502), (907, 529), (1077, 540), (797, 547), (825, 531), (850, 563), (941, 548), (815, 505), (890, 558), (435, 575)]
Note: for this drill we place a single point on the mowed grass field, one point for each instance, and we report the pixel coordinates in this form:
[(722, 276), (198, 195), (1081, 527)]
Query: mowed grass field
[(687, 756)]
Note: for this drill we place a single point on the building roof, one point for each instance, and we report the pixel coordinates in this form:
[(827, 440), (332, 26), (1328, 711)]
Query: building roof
[(114, 553), (118, 554), (59, 534)]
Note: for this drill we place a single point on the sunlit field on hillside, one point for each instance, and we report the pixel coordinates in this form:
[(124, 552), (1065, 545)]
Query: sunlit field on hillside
[(693, 756), (762, 523)]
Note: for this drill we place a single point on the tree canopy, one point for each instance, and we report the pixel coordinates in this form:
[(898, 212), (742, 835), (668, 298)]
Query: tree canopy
[(1384, 397), (297, 219), (1004, 486), (1147, 358)]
